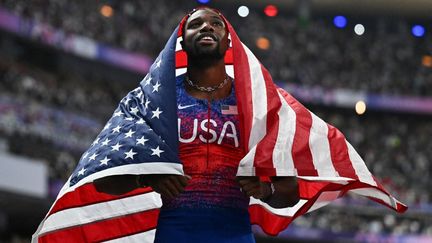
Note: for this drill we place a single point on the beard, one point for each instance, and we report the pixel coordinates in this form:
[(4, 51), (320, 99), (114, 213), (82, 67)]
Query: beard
[(208, 53)]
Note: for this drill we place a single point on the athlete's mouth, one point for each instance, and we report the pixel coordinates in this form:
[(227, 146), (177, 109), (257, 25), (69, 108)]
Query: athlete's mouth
[(207, 38)]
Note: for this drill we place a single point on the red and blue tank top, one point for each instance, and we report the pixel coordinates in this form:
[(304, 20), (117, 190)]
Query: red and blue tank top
[(209, 147)]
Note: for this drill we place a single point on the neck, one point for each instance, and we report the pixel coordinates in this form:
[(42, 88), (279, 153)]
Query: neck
[(206, 75)]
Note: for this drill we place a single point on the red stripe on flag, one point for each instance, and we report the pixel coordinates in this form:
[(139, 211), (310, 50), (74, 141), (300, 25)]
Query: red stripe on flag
[(243, 88), (339, 153), (264, 151), (301, 153), (87, 195), (181, 58), (270, 223), (105, 230), (273, 224), (229, 56)]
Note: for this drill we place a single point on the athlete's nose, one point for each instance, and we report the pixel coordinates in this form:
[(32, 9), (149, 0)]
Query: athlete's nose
[(207, 27)]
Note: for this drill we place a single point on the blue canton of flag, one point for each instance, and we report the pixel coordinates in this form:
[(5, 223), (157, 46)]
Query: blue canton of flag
[(138, 132)]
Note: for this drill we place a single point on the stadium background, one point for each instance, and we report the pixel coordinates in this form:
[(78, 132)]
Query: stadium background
[(363, 66)]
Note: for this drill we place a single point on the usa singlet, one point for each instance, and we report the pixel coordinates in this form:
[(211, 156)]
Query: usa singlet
[(212, 208)]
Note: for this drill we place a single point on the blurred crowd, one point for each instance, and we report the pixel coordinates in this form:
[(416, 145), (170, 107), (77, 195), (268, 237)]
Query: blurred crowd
[(54, 115), (386, 59), (360, 225)]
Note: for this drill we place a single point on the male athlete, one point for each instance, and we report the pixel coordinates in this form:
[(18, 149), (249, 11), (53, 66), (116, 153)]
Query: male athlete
[(209, 203)]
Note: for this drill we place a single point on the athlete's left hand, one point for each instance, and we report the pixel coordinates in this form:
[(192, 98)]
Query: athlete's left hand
[(253, 187)]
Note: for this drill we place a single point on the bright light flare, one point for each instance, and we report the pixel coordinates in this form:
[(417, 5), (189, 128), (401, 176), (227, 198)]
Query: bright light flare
[(359, 29), (360, 107), (106, 11), (271, 10), (243, 11), (263, 43), (418, 31), (340, 21)]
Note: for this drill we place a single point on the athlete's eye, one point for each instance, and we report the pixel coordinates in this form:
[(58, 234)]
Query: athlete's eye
[(218, 23), (194, 25)]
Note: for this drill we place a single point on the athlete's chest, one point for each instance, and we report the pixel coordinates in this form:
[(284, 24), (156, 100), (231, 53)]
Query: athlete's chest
[(203, 121)]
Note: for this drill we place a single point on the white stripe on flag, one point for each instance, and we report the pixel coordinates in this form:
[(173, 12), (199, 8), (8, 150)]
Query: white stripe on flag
[(282, 157), (144, 237), (320, 148), (180, 71), (131, 169), (259, 100), (246, 167), (178, 46), (359, 166), (287, 212), (229, 68), (100, 211), (323, 199), (375, 193)]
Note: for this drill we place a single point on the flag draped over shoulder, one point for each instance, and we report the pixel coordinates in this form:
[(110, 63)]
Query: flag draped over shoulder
[(280, 136)]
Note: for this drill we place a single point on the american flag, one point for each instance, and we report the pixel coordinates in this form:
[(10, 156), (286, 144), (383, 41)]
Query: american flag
[(280, 136)]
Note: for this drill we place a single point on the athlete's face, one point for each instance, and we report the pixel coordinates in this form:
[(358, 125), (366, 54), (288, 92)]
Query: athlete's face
[(205, 35)]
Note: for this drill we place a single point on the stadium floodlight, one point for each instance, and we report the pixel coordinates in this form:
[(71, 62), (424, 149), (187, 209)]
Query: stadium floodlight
[(243, 11), (359, 29), (418, 31), (340, 21)]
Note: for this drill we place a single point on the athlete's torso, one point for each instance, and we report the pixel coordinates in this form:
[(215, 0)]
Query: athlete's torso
[(212, 208), (209, 147)]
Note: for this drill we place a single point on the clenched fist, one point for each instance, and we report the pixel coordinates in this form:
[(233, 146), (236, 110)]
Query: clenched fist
[(169, 186), (253, 187)]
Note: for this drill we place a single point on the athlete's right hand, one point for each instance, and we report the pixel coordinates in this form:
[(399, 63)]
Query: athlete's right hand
[(169, 186)]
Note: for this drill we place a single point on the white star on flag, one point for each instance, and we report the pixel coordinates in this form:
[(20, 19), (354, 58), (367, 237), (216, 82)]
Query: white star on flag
[(158, 63), (156, 113), (81, 172), (104, 161), (85, 155), (157, 151), (116, 147), (134, 110), (147, 102), (156, 87), (139, 94), (148, 80), (95, 142), (93, 157), (141, 140), (116, 129), (140, 121), (118, 113), (129, 118), (129, 134), (130, 154), (105, 142)]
